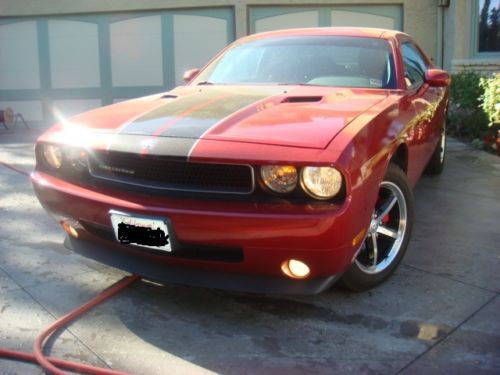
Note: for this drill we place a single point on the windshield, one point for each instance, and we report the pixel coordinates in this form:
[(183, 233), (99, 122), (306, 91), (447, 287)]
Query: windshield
[(314, 60)]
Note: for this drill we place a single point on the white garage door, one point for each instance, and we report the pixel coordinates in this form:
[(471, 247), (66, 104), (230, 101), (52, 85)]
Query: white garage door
[(63, 65), (275, 18)]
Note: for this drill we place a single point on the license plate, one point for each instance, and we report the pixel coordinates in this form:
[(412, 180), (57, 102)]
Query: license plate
[(141, 231)]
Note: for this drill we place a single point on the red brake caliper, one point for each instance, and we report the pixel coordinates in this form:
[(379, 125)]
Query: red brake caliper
[(385, 219)]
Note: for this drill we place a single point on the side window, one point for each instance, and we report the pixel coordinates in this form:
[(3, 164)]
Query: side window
[(414, 65)]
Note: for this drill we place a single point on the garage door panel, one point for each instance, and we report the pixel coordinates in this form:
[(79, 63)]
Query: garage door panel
[(19, 66), (288, 21), (358, 19), (136, 52), (196, 40), (273, 18), (74, 54)]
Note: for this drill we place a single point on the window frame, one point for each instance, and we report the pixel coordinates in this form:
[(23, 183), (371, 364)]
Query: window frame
[(474, 42), (423, 57)]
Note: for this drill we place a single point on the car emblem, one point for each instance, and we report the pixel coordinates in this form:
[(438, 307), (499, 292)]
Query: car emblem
[(110, 168), (148, 144)]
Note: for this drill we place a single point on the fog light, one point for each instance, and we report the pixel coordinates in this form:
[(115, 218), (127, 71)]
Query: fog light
[(295, 269), (69, 229)]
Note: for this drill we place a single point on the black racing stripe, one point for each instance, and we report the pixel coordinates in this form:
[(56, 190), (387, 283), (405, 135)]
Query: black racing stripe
[(142, 127), (171, 110), (192, 115), (199, 121), (174, 128), (177, 148), (189, 127)]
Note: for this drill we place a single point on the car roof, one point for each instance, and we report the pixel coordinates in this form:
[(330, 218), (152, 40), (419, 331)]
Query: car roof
[(329, 31)]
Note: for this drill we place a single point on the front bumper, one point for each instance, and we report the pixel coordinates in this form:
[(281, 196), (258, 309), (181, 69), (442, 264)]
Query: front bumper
[(166, 273), (266, 235)]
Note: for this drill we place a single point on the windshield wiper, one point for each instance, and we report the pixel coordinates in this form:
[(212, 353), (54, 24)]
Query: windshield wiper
[(205, 83), (294, 84)]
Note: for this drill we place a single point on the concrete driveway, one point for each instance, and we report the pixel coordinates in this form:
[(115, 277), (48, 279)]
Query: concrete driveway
[(439, 313)]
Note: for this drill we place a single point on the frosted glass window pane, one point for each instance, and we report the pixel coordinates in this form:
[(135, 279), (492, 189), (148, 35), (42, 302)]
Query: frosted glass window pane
[(358, 19), (288, 21), (19, 56), (74, 54), (68, 108), (31, 110), (136, 52), (196, 40)]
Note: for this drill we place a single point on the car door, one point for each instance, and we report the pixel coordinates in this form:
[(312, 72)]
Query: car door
[(421, 99)]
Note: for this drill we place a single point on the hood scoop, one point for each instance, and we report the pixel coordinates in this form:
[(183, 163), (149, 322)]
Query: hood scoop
[(302, 99), (168, 96)]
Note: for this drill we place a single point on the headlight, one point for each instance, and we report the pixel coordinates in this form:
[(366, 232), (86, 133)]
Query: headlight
[(321, 182), (77, 158), (279, 178), (52, 155)]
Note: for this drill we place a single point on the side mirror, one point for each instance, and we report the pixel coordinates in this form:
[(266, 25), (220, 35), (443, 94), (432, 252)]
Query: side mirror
[(437, 78), (190, 74)]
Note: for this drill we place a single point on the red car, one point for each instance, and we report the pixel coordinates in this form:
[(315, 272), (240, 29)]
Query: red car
[(284, 165)]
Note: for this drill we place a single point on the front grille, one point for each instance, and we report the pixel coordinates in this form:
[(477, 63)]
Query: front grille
[(160, 172)]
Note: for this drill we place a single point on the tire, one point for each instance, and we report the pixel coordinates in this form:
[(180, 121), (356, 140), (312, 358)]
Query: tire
[(388, 234), (436, 164)]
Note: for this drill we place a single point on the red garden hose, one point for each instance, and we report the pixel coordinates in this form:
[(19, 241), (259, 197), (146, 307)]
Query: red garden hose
[(53, 365), (18, 170)]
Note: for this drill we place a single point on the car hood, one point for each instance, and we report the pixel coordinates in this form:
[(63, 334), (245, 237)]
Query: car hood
[(297, 116)]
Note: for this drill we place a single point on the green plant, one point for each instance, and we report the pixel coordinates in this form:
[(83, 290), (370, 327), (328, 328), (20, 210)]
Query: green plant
[(466, 119), (490, 103), (491, 98)]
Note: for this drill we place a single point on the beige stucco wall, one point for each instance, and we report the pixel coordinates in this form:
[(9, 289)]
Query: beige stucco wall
[(449, 35), (463, 28), (420, 21), (457, 33), (419, 16)]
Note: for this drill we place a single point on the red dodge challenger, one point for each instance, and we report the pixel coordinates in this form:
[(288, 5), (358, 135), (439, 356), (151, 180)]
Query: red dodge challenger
[(283, 166)]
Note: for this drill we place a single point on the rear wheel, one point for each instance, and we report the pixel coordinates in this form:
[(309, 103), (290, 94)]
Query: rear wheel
[(388, 234), (436, 163)]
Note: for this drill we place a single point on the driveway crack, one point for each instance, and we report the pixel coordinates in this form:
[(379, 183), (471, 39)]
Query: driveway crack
[(447, 335)]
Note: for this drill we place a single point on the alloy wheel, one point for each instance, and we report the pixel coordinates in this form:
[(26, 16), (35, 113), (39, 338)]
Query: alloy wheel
[(386, 231)]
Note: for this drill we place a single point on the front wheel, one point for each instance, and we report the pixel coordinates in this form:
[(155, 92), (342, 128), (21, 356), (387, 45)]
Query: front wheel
[(387, 236)]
